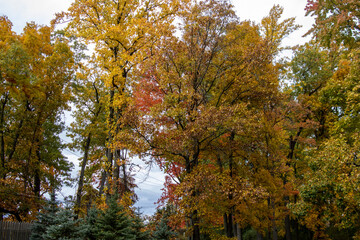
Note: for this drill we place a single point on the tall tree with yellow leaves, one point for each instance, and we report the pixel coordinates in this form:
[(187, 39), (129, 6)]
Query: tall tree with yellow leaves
[(123, 33)]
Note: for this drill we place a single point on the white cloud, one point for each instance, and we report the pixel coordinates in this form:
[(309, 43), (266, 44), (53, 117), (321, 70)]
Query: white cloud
[(255, 10), (40, 11)]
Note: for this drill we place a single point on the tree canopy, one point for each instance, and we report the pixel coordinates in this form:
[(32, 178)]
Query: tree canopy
[(253, 145)]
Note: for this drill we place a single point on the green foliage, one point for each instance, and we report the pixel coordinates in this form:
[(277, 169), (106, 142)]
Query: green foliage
[(114, 223), (56, 223), (329, 192), (36, 70), (138, 228), (162, 230), (89, 224), (45, 219), (336, 22), (311, 69), (250, 234), (64, 227)]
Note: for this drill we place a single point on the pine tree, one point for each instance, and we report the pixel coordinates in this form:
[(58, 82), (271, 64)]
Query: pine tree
[(89, 225), (46, 218), (114, 223), (138, 227), (65, 227), (55, 223), (163, 231)]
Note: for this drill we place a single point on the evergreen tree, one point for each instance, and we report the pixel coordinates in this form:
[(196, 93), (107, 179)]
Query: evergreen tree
[(55, 223), (89, 225), (138, 227), (114, 223), (65, 227), (46, 218), (163, 231)]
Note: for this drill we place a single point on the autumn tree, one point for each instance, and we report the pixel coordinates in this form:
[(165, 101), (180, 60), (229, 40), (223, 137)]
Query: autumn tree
[(320, 202), (88, 132), (307, 117), (123, 33), (323, 72), (336, 22), (36, 71), (198, 102), (185, 73)]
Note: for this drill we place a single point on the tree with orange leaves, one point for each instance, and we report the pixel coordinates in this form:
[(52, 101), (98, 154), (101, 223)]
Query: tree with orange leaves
[(198, 101)]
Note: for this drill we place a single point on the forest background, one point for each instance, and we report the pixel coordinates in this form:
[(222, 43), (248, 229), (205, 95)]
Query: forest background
[(251, 143), (42, 12)]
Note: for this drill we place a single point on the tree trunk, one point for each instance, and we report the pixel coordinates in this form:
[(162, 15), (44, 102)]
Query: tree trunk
[(225, 224), (102, 182), (287, 227), (295, 226), (109, 151), (238, 232), (229, 225), (116, 173), (2, 141), (125, 180), (194, 218), (108, 169), (195, 226), (273, 219), (274, 230), (81, 178), (290, 156), (37, 179), (228, 218), (15, 142)]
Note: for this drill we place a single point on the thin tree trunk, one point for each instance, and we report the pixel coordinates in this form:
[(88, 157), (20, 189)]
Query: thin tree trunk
[(86, 156), (229, 225), (195, 226), (295, 226), (109, 149), (17, 135), (82, 174), (35, 146), (287, 227), (37, 178), (194, 218), (225, 224), (2, 141), (102, 182), (109, 176), (125, 179), (116, 173), (239, 232), (295, 222), (274, 232), (228, 218), (290, 156)]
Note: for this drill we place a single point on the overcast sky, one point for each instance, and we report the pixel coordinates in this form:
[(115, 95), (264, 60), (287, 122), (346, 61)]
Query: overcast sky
[(42, 11)]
